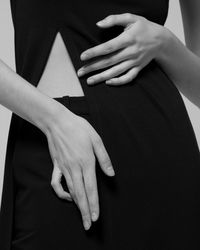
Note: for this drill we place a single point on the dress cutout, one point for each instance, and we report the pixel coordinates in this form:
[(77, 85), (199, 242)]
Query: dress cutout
[(153, 202)]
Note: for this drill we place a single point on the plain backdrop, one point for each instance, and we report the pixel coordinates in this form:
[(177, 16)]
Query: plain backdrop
[(173, 22)]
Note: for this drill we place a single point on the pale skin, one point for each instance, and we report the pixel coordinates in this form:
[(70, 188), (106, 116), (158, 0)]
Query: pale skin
[(72, 141), (142, 41)]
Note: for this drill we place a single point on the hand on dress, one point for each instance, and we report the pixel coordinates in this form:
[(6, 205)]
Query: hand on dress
[(73, 144), (139, 43)]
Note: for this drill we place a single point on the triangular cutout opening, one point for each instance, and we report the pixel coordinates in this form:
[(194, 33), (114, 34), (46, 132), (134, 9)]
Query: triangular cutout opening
[(58, 76)]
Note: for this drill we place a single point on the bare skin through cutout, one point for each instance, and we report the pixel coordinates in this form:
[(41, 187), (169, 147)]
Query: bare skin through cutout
[(59, 77)]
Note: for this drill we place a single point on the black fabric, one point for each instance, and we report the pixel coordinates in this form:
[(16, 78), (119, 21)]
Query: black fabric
[(153, 202)]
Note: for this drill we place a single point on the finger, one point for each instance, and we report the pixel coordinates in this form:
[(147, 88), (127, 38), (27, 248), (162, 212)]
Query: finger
[(102, 156), (81, 198), (69, 182), (118, 19), (107, 61), (110, 73), (90, 183), (55, 183), (129, 76), (110, 46)]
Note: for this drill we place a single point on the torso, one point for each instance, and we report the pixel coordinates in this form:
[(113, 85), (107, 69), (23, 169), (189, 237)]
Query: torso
[(36, 21), (59, 77)]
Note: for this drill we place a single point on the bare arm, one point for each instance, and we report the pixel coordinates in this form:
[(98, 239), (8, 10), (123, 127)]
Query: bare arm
[(73, 142), (180, 62), (26, 100)]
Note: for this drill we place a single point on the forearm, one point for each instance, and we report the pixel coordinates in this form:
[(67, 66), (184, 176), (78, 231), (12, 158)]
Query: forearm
[(181, 65), (26, 100)]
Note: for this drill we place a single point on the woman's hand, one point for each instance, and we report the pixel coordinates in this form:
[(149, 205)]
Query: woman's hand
[(139, 43), (73, 144)]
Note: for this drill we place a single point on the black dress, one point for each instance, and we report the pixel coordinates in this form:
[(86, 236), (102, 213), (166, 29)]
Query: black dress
[(153, 201)]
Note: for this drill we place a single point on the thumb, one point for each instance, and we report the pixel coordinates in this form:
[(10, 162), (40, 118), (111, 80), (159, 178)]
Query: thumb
[(56, 184)]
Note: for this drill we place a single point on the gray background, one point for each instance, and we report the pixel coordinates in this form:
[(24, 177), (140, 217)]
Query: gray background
[(174, 23)]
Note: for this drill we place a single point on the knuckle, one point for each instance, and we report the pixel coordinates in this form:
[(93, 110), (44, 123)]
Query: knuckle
[(90, 189), (108, 62), (137, 48), (108, 48), (111, 17), (140, 22), (113, 71), (80, 160), (76, 174), (127, 16), (80, 196), (135, 60), (142, 18), (74, 163), (128, 39), (89, 161), (54, 159), (98, 140), (91, 67), (69, 163), (85, 162)]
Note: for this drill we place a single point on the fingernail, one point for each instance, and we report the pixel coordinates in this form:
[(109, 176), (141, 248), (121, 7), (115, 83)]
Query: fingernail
[(108, 81), (86, 225), (80, 72), (94, 216), (84, 56), (111, 171), (100, 22), (90, 80)]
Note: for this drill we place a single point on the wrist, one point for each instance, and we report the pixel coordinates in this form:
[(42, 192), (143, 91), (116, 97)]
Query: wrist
[(166, 39), (50, 116)]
